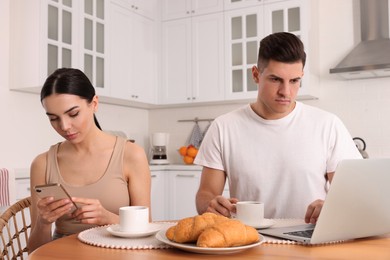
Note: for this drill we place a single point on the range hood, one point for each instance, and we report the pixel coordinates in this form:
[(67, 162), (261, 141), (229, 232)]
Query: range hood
[(371, 57)]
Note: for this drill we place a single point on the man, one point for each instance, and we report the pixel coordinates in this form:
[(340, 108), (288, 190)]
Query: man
[(275, 150)]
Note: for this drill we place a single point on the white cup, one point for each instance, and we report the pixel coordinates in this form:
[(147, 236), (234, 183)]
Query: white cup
[(133, 218), (251, 213)]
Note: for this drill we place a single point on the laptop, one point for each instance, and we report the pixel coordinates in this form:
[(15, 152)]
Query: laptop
[(357, 205)]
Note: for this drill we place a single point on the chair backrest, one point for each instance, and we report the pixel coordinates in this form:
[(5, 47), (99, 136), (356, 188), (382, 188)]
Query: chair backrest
[(15, 227)]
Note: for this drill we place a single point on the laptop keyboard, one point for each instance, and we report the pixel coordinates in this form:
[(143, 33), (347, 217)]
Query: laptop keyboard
[(304, 233)]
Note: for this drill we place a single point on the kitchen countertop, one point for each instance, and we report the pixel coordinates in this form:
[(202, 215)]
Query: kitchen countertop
[(24, 173), (175, 167)]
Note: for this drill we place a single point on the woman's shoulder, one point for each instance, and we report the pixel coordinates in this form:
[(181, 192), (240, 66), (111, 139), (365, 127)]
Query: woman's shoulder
[(133, 150)]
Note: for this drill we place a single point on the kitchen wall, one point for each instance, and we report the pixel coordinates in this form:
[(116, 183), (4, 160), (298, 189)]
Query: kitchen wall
[(25, 130), (363, 105)]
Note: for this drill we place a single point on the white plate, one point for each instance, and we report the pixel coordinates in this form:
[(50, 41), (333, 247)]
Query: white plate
[(204, 250), (152, 229), (266, 223)]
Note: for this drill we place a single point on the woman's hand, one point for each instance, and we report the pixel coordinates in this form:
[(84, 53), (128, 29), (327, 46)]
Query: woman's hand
[(50, 210), (91, 211)]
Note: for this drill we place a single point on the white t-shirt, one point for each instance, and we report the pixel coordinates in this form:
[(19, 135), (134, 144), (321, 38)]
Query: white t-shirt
[(280, 162)]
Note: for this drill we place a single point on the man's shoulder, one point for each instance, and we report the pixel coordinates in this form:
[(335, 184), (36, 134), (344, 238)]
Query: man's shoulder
[(236, 113), (316, 111)]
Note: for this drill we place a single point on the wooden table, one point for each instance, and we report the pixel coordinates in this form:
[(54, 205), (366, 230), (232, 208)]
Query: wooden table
[(71, 248)]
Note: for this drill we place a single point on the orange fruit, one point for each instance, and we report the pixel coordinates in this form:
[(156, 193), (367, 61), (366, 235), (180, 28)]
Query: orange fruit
[(183, 150), (192, 151), (188, 159)]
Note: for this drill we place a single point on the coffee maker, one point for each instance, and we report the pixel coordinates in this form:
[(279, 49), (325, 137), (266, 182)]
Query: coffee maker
[(159, 142)]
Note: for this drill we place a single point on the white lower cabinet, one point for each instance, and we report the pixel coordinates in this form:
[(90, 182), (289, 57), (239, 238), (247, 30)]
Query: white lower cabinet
[(173, 193), (174, 190), (159, 198), (183, 188)]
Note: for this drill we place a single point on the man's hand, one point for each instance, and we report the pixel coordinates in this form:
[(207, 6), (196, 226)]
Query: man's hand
[(313, 211), (223, 206)]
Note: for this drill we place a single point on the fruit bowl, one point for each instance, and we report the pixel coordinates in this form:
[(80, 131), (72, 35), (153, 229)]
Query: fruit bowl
[(189, 153)]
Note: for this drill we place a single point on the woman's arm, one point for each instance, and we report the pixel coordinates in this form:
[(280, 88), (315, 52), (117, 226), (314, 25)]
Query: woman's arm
[(137, 173)]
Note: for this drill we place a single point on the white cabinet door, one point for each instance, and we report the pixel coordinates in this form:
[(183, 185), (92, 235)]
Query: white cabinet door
[(147, 8), (174, 9), (133, 56), (243, 32), (208, 58), (193, 60), (183, 188), (235, 4), (289, 16), (49, 34), (159, 198), (176, 62), (43, 37), (92, 43)]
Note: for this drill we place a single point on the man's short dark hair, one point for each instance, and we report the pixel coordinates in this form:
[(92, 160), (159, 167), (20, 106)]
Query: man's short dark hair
[(283, 47)]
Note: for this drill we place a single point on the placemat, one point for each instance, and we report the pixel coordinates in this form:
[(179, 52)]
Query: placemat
[(99, 236)]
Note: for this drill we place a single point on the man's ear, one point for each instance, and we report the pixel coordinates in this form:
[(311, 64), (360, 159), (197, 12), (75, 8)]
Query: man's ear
[(255, 74)]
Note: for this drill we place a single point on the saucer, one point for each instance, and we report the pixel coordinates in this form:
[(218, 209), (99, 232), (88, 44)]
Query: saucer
[(266, 223), (152, 229)]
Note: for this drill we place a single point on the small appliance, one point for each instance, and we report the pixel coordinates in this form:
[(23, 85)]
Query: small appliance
[(159, 142)]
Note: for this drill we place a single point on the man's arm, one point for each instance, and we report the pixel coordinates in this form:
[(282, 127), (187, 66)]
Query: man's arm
[(209, 196)]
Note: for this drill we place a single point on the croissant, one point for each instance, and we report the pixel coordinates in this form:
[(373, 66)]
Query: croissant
[(188, 230), (228, 234)]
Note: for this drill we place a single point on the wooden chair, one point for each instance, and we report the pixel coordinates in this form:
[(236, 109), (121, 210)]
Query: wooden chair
[(15, 226)]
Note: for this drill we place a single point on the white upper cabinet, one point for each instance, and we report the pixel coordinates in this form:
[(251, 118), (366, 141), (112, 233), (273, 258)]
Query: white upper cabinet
[(43, 37), (290, 16), (174, 9), (244, 29), (235, 4), (92, 36), (48, 34), (147, 8), (192, 60), (133, 55)]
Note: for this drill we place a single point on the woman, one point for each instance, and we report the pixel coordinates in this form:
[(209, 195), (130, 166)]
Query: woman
[(100, 171)]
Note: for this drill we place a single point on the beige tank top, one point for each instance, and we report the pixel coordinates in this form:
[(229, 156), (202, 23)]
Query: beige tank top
[(111, 189)]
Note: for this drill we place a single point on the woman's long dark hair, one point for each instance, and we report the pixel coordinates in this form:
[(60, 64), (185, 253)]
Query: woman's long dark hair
[(69, 81)]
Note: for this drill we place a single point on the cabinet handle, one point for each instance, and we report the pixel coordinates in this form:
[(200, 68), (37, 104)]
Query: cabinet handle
[(153, 176), (192, 11), (188, 12), (193, 98), (185, 175), (188, 98)]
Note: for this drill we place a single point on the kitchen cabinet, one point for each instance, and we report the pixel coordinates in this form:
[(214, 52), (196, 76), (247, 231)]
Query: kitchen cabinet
[(147, 8), (39, 44), (290, 16), (183, 188), (244, 29), (174, 9), (192, 60), (48, 34), (93, 52), (133, 55), (235, 4), (174, 189), (159, 196)]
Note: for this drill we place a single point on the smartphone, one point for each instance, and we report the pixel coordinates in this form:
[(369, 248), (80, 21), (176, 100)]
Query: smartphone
[(55, 190)]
